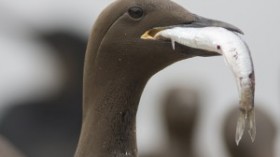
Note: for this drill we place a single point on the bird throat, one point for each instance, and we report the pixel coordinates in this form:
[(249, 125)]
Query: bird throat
[(111, 101)]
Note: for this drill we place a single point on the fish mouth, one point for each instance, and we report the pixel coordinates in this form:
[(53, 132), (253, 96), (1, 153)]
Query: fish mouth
[(199, 22)]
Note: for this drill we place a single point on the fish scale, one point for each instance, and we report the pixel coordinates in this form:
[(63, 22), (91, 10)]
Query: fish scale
[(237, 55)]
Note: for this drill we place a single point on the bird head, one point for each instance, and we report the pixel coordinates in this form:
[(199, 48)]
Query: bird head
[(118, 36)]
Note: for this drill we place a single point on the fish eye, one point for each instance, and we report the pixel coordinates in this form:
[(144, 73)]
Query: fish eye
[(135, 12)]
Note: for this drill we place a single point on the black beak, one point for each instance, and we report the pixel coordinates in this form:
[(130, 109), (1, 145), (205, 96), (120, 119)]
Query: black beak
[(205, 22)]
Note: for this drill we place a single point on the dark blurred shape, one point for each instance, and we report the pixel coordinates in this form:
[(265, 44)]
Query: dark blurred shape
[(50, 127), (181, 110), (265, 138), (7, 149), (180, 113)]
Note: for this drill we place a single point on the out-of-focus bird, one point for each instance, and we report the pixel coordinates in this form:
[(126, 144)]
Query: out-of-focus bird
[(180, 114), (181, 111), (50, 126)]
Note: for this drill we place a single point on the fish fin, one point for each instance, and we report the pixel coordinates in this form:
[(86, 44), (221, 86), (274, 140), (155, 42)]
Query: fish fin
[(173, 44), (252, 124), (245, 117), (240, 126)]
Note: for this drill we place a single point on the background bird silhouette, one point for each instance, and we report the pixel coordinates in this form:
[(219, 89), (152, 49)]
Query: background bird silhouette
[(51, 126), (180, 113)]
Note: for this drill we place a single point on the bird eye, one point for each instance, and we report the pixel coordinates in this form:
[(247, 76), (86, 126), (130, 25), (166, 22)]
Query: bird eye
[(135, 12)]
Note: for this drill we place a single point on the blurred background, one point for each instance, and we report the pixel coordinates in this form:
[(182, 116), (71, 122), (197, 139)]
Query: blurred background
[(42, 45)]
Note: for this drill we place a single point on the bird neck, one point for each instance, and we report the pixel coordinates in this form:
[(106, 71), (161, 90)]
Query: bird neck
[(109, 113)]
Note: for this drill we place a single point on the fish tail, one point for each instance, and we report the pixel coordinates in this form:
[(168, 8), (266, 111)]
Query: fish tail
[(240, 126), (252, 124), (245, 118)]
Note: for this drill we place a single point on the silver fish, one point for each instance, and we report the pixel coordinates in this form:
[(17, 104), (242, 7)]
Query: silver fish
[(237, 55)]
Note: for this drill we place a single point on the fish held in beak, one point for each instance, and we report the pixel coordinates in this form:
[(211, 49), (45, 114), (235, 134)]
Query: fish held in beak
[(227, 41), (199, 22)]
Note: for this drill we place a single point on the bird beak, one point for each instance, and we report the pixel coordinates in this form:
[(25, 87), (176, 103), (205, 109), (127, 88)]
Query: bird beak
[(198, 22), (204, 22)]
